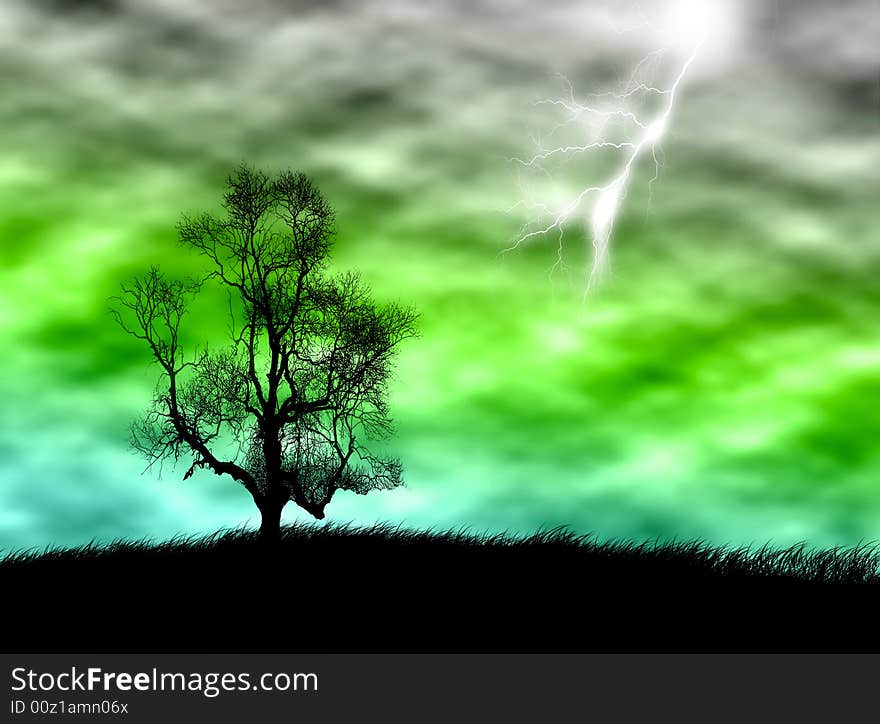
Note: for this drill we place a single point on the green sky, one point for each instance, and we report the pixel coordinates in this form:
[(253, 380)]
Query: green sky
[(723, 382)]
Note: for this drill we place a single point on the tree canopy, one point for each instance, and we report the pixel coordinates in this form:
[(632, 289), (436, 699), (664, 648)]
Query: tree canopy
[(288, 405)]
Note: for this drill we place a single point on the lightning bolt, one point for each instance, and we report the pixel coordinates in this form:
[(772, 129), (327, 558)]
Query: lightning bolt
[(643, 134)]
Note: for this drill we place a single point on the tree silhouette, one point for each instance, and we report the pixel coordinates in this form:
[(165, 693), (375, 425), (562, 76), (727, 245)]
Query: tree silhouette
[(286, 405)]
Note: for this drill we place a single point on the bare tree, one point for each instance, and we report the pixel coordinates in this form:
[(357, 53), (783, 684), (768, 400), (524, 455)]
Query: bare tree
[(286, 406)]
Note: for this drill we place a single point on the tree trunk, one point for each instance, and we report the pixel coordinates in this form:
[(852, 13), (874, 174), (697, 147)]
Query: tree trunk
[(270, 525)]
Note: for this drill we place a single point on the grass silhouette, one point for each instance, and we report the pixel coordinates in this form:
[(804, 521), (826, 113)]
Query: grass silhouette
[(335, 588)]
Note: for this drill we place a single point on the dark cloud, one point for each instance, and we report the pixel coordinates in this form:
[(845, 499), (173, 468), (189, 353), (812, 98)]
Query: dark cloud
[(832, 44), (84, 10)]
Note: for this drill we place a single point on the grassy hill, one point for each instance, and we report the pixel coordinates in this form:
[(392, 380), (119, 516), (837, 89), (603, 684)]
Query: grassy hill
[(388, 589)]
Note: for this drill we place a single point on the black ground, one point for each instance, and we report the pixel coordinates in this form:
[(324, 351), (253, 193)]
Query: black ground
[(382, 589)]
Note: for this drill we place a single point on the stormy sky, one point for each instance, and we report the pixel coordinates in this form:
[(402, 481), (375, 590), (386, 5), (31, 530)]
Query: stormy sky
[(722, 383)]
